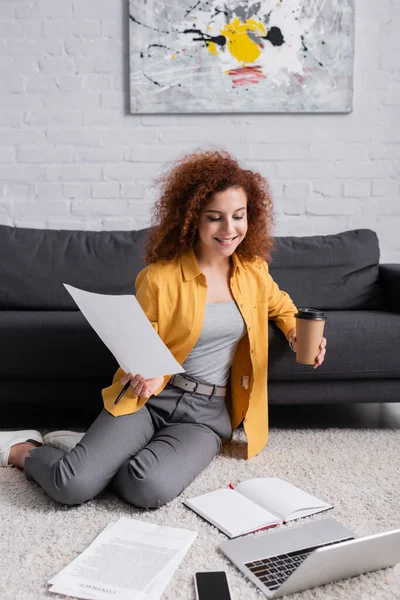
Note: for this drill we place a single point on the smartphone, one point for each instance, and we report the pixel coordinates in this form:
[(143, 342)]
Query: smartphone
[(212, 585)]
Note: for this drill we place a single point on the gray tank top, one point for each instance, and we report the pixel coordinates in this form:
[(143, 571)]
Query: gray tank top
[(211, 358)]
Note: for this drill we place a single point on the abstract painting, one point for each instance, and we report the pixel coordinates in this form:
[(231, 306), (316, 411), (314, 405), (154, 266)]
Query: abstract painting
[(241, 56)]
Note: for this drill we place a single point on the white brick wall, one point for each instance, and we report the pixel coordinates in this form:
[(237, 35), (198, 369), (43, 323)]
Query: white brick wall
[(71, 155)]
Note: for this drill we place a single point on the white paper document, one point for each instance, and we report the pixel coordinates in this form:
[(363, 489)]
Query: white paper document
[(122, 325), (129, 560)]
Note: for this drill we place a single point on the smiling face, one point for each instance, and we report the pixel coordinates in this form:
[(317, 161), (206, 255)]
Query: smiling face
[(222, 224)]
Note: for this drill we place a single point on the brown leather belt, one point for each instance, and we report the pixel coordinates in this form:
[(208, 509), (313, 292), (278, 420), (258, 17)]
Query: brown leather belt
[(183, 383)]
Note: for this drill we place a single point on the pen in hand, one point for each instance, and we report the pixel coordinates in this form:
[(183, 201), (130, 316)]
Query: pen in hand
[(143, 388), (122, 392), (138, 387)]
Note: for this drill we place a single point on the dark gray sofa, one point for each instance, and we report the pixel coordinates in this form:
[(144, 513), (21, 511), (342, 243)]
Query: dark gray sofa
[(53, 365)]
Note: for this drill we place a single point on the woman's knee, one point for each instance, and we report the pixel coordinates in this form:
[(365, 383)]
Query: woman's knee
[(59, 478), (73, 495), (71, 488), (149, 492), (73, 492)]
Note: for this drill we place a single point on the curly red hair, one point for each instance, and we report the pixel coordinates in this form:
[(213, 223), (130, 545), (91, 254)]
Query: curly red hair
[(188, 186)]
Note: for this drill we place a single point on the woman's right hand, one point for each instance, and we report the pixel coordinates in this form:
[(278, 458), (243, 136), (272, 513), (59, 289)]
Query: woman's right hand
[(144, 388)]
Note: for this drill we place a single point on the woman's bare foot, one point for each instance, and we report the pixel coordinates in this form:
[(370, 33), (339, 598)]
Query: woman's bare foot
[(19, 452)]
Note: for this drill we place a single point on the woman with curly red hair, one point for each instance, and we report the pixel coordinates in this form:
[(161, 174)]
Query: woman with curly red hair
[(208, 293)]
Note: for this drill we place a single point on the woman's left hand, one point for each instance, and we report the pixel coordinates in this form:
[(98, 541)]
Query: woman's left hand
[(319, 359), (321, 355)]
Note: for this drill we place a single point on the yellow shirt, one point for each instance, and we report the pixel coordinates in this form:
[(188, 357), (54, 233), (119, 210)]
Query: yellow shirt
[(173, 296)]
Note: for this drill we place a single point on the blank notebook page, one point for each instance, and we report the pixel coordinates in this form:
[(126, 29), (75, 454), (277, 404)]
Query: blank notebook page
[(280, 496), (231, 511)]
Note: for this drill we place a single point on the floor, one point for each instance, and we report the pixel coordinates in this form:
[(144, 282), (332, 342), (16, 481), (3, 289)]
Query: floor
[(354, 416)]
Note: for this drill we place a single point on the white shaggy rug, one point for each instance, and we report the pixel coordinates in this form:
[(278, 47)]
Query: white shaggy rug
[(356, 470)]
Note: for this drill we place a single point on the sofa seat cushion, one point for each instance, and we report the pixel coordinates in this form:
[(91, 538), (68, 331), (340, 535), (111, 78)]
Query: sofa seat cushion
[(360, 345), (62, 345), (52, 345)]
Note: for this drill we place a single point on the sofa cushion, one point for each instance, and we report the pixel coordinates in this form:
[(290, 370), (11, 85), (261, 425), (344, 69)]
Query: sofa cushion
[(61, 345), (35, 263), (51, 345), (360, 345), (330, 272)]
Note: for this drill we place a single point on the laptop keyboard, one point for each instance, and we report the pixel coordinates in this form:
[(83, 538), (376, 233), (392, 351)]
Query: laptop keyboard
[(274, 570)]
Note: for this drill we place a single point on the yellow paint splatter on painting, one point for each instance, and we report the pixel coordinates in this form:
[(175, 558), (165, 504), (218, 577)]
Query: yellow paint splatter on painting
[(212, 48), (240, 45), (173, 57)]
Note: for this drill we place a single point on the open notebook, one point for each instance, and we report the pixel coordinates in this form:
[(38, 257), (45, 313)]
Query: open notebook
[(255, 504)]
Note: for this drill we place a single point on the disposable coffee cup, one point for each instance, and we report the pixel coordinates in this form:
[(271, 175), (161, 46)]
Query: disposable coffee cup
[(310, 324)]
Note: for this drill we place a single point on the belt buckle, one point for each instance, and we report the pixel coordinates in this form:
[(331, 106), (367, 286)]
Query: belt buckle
[(214, 387), (196, 385)]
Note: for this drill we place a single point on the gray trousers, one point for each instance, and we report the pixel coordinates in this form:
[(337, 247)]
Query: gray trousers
[(147, 458)]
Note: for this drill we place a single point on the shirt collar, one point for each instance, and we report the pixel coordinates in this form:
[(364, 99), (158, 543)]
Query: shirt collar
[(191, 269)]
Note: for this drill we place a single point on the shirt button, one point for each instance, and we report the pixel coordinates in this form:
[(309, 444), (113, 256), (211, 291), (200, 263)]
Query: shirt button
[(249, 329), (242, 305), (252, 351)]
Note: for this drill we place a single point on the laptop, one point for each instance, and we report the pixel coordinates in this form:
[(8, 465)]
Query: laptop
[(299, 558)]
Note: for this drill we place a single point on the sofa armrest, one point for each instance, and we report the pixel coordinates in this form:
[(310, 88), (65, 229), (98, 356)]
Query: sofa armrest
[(389, 278)]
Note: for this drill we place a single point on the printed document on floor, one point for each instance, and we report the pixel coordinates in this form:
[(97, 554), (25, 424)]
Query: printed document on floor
[(129, 560), (122, 325)]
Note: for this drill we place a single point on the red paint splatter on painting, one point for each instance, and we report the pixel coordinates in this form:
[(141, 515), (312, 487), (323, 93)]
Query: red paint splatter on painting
[(246, 75), (299, 78)]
